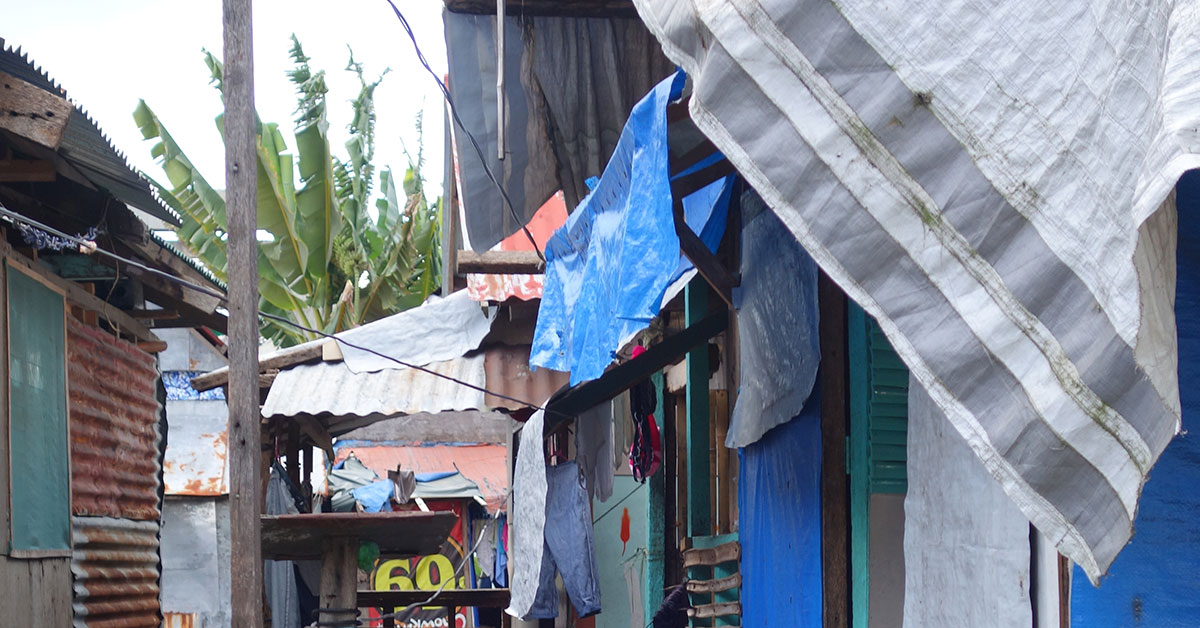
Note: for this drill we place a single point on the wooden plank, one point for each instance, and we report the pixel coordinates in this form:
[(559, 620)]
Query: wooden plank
[(698, 470), (715, 585), (78, 295), (559, 8), (712, 556), (306, 352), (339, 572), (152, 315), (719, 400), (570, 403), (27, 171), (835, 541), (410, 532), (33, 113), (719, 609), (152, 346), (859, 392), (470, 598), (500, 263), (241, 188)]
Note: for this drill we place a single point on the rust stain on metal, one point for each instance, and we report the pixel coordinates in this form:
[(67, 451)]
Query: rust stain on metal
[(114, 426), (197, 467), (179, 620), (114, 567)]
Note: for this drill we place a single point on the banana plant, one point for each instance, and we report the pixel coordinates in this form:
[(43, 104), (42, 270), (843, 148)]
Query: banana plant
[(331, 263)]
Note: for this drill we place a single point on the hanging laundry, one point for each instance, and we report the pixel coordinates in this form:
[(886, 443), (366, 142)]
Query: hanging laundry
[(645, 453), (594, 450), (569, 550), (528, 517)]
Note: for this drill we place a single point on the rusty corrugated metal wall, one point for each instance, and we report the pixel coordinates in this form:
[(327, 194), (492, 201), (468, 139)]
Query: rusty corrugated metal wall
[(114, 565), (116, 479)]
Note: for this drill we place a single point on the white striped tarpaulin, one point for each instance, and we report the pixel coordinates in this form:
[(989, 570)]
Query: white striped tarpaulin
[(993, 183)]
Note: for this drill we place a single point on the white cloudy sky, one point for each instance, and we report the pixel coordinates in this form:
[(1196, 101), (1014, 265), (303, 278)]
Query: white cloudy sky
[(109, 53)]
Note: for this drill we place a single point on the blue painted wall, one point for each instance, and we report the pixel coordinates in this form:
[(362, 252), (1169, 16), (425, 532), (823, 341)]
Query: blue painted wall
[(1155, 582), (779, 520)]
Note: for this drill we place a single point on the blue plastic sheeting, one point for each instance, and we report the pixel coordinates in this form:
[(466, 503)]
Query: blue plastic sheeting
[(608, 267), (1154, 581), (375, 495), (779, 519), (777, 325)]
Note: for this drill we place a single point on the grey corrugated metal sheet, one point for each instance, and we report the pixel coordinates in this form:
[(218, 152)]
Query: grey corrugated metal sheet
[(115, 435), (330, 388), (114, 566), (87, 148)]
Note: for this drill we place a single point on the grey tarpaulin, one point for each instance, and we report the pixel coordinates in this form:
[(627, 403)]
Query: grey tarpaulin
[(526, 536), (777, 326), (966, 545), (578, 80), (279, 576), (991, 181)]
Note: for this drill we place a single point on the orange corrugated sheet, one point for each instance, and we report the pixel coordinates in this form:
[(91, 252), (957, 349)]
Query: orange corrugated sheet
[(482, 464)]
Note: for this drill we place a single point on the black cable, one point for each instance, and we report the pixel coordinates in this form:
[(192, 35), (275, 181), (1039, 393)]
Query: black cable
[(474, 143), (224, 300), (619, 502)]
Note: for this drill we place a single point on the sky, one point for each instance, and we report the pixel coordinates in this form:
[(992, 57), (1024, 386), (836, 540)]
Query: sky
[(109, 53)]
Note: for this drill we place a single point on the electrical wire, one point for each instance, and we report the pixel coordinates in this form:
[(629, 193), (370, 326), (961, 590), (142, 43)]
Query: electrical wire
[(91, 246), (619, 502), (13, 216), (474, 143)]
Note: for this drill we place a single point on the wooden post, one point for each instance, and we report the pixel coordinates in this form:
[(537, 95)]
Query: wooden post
[(241, 181), (698, 471), (339, 576), (835, 541)]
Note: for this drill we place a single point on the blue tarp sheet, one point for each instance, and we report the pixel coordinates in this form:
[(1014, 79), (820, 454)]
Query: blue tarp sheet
[(1154, 581), (608, 267), (779, 520)]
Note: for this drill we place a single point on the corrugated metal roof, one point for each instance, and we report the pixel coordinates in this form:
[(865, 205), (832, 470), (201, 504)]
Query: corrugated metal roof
[(87, 148), (114, 565), (114, 426), (483, 464), (330, 388), (508, 373)]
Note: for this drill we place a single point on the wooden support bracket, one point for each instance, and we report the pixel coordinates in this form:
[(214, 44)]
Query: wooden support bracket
[(721, 280)]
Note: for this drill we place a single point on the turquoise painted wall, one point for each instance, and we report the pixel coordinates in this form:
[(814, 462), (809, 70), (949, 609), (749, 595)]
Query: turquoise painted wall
[(610, 558)]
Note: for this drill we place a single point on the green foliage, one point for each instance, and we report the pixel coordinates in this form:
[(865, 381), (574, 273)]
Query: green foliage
[(340, 255)]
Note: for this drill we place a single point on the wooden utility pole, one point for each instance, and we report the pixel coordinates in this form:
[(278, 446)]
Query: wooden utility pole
[(241, 182)]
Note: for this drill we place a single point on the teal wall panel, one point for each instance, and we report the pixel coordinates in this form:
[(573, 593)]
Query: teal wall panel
[(612, 557), (39, 462)]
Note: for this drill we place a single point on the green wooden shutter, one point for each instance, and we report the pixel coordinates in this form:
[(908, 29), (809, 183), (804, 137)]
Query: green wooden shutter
[(887, 414), (38, 454), (877, 447)]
